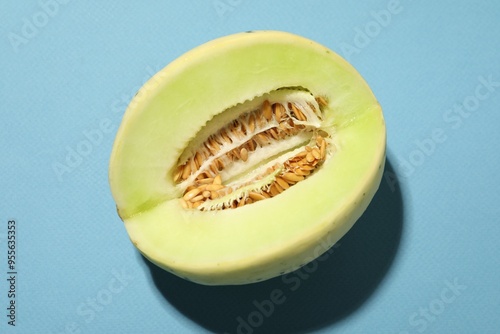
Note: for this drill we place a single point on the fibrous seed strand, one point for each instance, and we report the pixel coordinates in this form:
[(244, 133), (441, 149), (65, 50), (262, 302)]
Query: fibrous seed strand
[(270, 123)]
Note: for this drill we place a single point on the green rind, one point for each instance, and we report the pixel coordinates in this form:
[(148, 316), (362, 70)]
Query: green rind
[(261, 240)]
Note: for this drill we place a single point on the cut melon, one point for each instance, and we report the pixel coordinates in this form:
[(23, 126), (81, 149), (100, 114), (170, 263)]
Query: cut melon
[(246, 158)]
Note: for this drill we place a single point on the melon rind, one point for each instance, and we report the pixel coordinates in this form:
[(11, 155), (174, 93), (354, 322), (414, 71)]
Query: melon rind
[(270, 237)]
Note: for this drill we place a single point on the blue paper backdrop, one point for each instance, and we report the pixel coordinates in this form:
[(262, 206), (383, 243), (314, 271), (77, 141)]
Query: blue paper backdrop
[(423, 259)]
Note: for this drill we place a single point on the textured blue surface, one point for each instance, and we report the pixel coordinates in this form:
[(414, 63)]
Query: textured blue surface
[(424, 257)]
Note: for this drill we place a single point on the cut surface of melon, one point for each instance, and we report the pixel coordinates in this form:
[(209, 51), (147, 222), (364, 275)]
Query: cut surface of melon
[(202, 92)]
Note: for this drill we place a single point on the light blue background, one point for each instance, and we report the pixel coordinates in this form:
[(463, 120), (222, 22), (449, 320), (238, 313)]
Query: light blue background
[(434, 222)]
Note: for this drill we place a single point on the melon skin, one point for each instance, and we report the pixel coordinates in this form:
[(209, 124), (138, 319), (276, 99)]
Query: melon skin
[(270, 237)]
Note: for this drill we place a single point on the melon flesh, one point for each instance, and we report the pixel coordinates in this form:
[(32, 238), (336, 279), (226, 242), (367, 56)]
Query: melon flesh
[(263, 239)]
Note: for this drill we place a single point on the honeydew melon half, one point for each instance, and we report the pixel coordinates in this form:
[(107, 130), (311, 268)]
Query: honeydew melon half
[(193, 96)]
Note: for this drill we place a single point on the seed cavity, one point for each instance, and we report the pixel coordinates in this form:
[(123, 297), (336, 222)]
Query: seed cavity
[(270, 144)]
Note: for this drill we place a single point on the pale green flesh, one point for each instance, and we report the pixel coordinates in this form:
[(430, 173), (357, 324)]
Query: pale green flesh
[(271, 236)]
